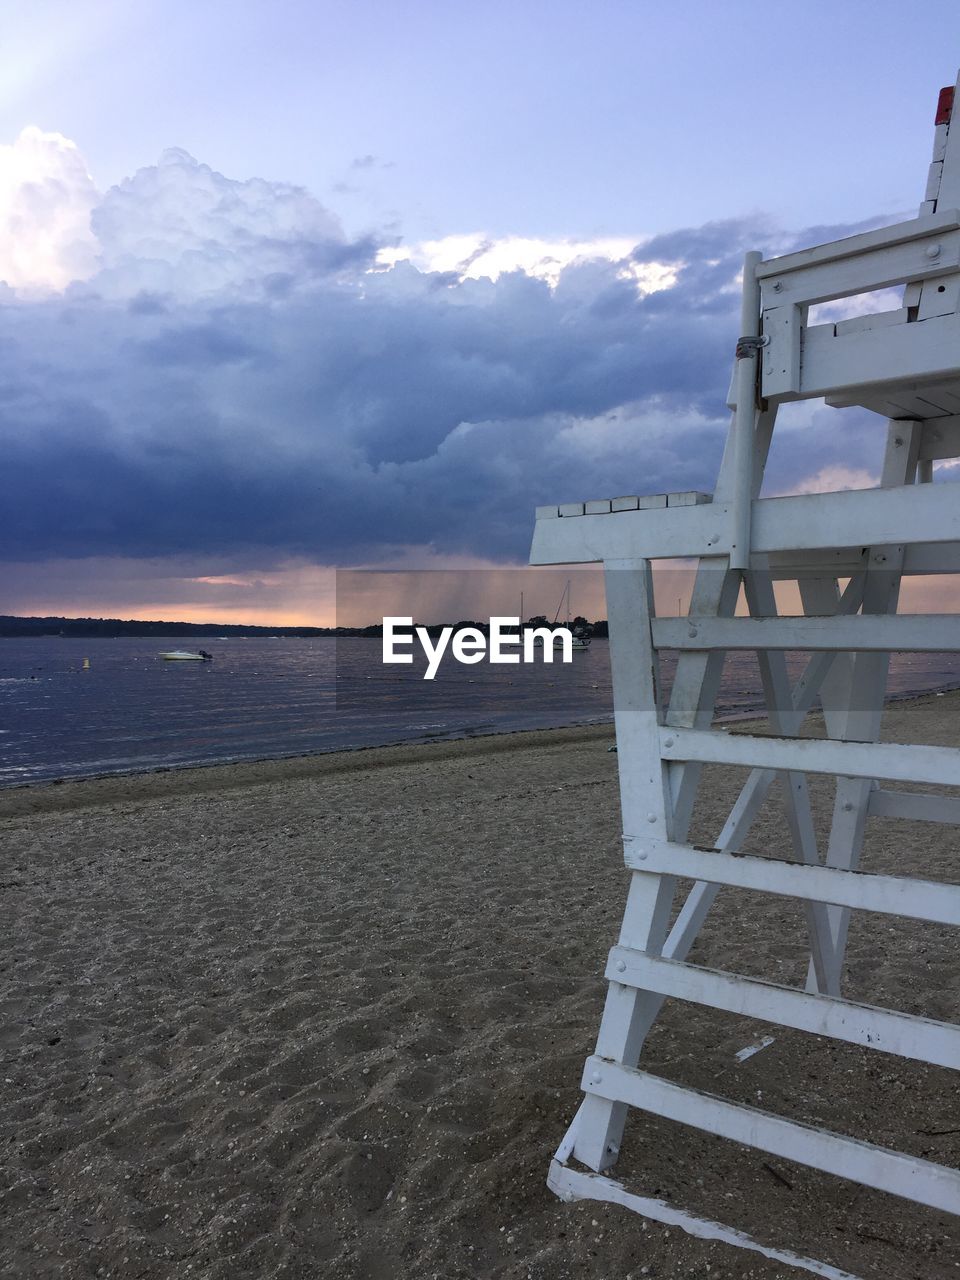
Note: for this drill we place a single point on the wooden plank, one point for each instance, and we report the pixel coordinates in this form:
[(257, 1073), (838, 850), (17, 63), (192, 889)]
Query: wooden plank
[(928, 900), (644, 797), (572, 1184), (853, 707), (865, 272), (922, 1039), (939, 766), (639, 502), (914, 633), (786, 721), (919, 1180), (872, 320), (780, 372), (858, 518), (913, 400), (688, 498), (841, 562), (940, 439), (913, 805), (937, 558), (864, 242), (949, 192), (832, 364)]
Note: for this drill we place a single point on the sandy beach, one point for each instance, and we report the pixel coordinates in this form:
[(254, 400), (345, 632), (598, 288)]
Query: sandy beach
[(326, 1017)]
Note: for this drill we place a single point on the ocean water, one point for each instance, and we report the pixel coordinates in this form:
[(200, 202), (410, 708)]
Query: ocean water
[(277, 697)]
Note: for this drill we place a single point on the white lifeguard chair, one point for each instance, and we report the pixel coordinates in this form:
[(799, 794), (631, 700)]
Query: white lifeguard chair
[(847, 552)]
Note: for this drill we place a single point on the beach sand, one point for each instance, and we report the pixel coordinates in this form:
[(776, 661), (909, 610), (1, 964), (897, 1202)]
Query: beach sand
[(327, 1017)]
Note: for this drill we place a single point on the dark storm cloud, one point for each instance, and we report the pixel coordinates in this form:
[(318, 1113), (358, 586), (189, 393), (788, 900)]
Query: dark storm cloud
[(247, 383)]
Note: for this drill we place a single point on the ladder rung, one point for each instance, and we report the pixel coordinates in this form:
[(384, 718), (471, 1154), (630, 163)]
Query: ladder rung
[(885, 1170), (937, 766), (922, 1039), (915, 805), (914, 633), (928, 900)]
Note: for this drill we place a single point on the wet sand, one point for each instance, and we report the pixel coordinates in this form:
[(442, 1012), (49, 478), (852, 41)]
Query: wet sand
[(327, 1017)]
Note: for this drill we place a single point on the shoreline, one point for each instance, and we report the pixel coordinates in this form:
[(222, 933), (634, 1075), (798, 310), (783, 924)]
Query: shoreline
[(305, 764)]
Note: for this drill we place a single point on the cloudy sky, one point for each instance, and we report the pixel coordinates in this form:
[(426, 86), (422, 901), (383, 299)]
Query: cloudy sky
[(293, 286)]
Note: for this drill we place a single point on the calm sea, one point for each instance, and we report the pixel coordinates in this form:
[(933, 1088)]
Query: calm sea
[(277, 697)]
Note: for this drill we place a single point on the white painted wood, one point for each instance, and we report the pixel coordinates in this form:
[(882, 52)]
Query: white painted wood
[(841, 562), (805, 522), (571, 1184), (913, 805), (853, 707), (939, 143), (925, 257), (782, 325), (864, 242), (910, 368), (571, 509), (884, 1170), (922, 1039), (639, 502), (833, 364), (939, 766), (644, 799), (565, 1149), (688, 498), (691, 702), (940, 439), (784, 719), (928, 900), (548, 513), (933, 180), (701, 897), (927, 558), (872, 320), (905, 400), (744, 422), (950, 178), (915, 633), (939, 297)]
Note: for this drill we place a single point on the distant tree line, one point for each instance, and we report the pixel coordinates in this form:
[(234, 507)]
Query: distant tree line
[(108, 628)]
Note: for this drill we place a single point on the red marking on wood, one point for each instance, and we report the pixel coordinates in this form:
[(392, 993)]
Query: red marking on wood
[(944, 105)]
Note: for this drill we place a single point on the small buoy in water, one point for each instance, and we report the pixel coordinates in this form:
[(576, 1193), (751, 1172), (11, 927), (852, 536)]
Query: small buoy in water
[(86, 664)]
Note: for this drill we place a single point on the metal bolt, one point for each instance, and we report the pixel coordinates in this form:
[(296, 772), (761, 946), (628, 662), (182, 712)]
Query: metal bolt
[(692, 632), (621, 966), (668, 742), (933, 251), (778, 286), (596, 1078), (651, 817), (641, 857)]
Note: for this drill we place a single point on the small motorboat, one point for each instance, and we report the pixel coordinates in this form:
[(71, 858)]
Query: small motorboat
[(184, 655)]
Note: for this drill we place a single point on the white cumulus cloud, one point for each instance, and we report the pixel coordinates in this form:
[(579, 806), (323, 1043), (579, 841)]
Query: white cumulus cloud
[(181, 227), (46, 198), (475, 256)]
